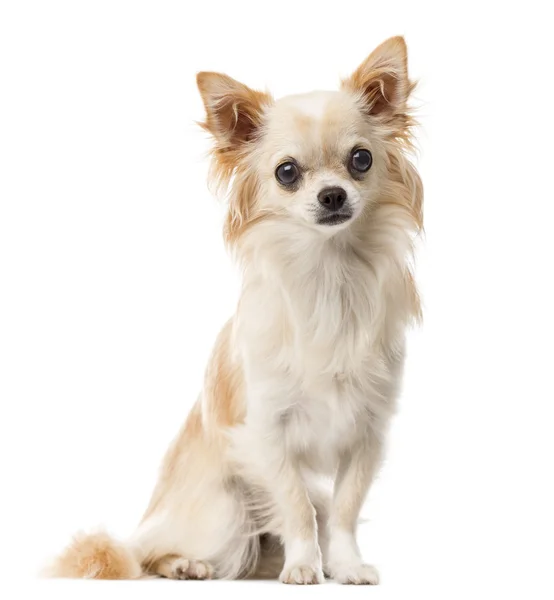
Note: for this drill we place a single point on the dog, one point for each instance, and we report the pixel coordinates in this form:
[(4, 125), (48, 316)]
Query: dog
[(324, 208)]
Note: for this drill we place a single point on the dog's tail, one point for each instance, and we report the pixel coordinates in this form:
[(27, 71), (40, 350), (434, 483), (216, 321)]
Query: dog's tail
[(95, 556)]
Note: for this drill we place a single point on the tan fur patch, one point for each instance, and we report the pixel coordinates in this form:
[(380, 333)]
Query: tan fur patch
[(191, 431), (95, 556), (224, 384), (382, 79), (233, 116)]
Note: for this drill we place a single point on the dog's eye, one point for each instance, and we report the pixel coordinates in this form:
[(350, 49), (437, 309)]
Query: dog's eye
[(287, 173), (360, 160)]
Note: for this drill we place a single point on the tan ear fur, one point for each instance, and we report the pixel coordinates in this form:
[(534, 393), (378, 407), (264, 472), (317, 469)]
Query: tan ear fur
[(234, 117), (382, 79), (233, 110)]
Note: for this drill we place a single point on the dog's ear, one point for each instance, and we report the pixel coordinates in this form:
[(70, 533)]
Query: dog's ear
[(233, 111), (382, 79)]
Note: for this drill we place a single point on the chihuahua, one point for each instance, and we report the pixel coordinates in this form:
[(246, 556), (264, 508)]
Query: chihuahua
[(324, 207)]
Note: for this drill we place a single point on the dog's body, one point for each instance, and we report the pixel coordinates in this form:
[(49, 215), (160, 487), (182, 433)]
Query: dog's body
[(303, 379)]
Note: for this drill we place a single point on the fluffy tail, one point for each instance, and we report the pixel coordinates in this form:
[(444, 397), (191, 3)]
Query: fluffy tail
[(95, 556)]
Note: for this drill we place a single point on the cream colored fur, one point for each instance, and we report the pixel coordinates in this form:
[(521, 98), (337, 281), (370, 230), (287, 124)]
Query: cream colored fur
[(304, 378)]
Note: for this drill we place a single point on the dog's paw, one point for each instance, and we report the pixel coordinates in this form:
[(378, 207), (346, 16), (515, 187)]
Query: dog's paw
[(356, 573), (301, 575), (183, 568)]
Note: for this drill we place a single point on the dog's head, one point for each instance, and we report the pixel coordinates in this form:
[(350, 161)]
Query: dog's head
[(318, 160)]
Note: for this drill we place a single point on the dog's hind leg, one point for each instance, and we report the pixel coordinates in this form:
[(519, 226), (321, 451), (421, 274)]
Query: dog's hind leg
[(199, 541), (199, 528)]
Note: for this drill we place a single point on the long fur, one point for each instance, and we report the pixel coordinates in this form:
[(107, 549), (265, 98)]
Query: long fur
[(303, 379)]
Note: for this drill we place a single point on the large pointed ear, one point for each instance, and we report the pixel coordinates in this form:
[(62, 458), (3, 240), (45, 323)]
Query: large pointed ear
[(382, 79), (233, 111)]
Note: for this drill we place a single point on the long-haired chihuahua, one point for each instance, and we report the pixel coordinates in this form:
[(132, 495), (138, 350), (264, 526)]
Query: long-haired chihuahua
[(323, 210)]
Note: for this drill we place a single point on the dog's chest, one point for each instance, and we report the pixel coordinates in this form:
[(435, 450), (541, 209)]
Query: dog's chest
[(313, 347), (326, 421), (325, 322)]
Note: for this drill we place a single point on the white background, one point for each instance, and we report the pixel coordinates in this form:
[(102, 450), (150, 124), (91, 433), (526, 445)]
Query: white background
[(114, 280)]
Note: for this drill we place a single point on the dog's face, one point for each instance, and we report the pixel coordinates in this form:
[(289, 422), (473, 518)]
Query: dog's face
[(318, 160), (315, 160)]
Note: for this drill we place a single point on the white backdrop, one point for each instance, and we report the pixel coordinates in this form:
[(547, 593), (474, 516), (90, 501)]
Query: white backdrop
[(114, 280)]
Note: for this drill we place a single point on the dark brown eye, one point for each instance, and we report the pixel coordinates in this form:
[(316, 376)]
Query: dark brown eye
[(360, 160), (287, 173)]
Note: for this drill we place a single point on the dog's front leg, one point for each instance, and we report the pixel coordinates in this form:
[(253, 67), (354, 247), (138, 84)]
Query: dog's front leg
[(267, 448), (355, 473), (269, 461), (298, 526)]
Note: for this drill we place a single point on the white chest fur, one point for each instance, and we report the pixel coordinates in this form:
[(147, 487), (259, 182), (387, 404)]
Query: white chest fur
[(325, 422), (314, 335)]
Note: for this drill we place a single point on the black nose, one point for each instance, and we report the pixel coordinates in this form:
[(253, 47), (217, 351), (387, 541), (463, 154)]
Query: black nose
[(332, 198)]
